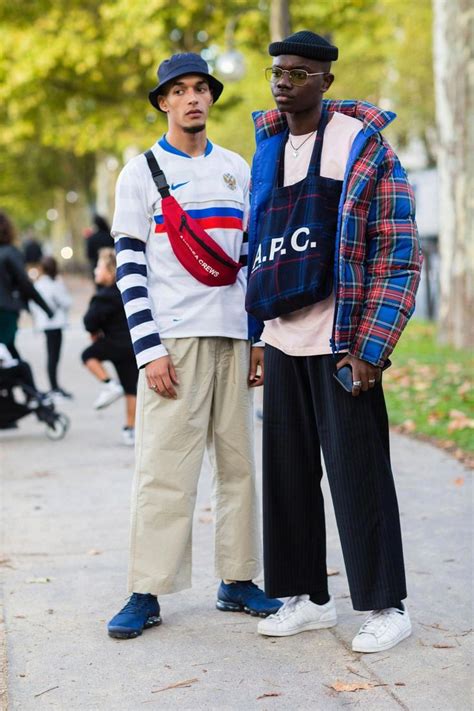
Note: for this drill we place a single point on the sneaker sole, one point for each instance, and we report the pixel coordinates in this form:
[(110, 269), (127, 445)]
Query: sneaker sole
[(304, 628), (224, 606), (108, 402), (383, 647), (122, 634)]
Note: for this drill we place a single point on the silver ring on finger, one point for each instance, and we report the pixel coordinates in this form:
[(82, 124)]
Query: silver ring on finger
[(357, 384), (371, 381), (154, 387)]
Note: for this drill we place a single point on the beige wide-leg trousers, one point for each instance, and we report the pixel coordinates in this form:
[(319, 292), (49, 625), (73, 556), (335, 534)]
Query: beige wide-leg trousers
[(214, 407)]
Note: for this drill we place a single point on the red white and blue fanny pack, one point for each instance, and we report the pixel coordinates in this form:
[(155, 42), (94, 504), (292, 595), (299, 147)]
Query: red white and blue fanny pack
[(199, 254)]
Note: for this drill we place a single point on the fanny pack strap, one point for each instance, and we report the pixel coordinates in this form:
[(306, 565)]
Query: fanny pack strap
[(159, 177)]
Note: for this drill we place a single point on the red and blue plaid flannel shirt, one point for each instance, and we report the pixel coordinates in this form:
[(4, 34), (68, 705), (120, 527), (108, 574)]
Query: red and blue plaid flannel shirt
[(378, 256)]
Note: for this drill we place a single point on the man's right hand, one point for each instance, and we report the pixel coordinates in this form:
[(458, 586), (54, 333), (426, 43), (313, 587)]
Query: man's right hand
[(161, 377)]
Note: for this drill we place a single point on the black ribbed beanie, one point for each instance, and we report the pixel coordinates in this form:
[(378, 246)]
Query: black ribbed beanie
[(305, 44)]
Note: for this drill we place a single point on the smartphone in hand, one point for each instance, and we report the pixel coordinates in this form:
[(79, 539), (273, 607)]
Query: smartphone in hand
[(344, 375)]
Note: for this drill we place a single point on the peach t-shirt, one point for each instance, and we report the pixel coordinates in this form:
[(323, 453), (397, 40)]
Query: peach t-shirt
[(307, 331)]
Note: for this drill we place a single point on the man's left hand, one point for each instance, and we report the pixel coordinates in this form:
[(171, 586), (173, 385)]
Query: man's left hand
[(256, 366), (364, 375)]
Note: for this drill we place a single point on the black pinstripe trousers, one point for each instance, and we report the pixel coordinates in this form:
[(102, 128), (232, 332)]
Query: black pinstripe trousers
[(306, 411)]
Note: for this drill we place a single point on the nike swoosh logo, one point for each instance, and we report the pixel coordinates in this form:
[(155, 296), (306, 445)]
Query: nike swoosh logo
[(175, 186)]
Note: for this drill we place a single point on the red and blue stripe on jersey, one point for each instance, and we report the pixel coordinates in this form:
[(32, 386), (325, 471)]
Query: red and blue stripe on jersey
[(210, 218)]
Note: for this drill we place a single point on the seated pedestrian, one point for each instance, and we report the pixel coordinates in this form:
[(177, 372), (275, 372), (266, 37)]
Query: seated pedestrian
[(54, 291), (106, 322)]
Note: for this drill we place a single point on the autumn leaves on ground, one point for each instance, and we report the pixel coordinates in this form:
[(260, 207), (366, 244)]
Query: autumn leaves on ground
[(430, 393)]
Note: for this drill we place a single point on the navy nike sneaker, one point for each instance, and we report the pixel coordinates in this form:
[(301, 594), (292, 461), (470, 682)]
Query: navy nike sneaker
[(245, 596), (140, 612)]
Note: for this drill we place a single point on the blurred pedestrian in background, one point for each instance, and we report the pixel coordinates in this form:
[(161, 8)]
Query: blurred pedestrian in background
[(32, 253), (16, 288), (106, 322), (53, 290), (99, 239)]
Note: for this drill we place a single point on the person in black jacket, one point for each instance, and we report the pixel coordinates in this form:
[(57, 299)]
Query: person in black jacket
[(106, 322), (16, 288)]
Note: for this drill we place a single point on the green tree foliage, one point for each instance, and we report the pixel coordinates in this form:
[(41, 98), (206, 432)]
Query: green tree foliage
[(75, 74)]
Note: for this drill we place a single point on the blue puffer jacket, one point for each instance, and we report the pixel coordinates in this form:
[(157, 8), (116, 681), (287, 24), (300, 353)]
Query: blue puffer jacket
[(378, 257)]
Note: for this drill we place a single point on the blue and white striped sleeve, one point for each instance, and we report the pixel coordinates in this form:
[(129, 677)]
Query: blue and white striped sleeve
[(132, 282), (130, 229)]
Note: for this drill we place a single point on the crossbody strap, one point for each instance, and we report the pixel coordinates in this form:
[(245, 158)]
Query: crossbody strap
[(159, 177)]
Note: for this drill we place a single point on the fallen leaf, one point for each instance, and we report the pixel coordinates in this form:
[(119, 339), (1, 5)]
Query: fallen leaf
[(176, 685), (332, 571), (453, 367), (268, 694), (94, 551), (205, 519), (408, 426), (421, 385), (442, 645), (39, 580), (355, 686), (459, 421), (459, 481)]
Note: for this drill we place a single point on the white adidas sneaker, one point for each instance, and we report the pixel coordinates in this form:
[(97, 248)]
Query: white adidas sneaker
[(382, 630), (298, 614)]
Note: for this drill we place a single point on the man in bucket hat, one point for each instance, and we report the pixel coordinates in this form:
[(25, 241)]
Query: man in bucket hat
[(197, 366), (334, 265)]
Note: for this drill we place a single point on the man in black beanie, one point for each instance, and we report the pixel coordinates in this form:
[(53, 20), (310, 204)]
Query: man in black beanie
[(334, 263)]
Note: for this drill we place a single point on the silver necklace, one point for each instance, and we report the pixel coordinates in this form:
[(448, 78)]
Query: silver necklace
[(296, 149)]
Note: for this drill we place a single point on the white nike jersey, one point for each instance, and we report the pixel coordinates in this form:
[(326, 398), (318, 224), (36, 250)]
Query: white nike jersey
[(212, 188)]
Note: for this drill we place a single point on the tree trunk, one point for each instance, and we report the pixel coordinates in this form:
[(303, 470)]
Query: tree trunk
[(454, 71), (280, 24)]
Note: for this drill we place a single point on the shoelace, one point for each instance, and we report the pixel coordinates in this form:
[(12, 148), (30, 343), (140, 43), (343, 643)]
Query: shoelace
[(136, 603), (374, 620), (288, 607), (254, 589)]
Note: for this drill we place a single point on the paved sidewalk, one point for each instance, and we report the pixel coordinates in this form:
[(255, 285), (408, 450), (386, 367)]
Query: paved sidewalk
[(63, 557)]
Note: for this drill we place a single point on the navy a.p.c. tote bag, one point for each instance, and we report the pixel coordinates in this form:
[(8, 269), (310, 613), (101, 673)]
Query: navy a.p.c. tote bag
[(293, 264)]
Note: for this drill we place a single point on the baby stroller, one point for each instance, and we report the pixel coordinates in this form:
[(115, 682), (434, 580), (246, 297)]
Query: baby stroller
[(16, 379)]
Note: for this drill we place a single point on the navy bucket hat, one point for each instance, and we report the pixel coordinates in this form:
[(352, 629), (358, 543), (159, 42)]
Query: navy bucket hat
[(177, 66)]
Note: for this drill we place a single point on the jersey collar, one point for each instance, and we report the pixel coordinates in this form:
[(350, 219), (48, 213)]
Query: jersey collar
[(163, 143)]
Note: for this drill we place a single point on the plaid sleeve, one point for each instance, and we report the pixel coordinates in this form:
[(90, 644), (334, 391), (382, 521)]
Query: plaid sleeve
[(393, 264)]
